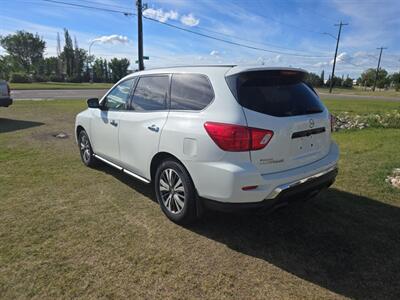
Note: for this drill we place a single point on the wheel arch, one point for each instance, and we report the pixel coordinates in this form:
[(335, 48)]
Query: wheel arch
[(78, 130), (161, 156), (158, 158)]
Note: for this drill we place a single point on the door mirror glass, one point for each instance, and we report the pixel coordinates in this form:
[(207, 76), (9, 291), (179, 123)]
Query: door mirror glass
[(93, 103)]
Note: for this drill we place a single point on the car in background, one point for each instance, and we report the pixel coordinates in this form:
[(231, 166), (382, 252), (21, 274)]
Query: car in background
[(222, 137), (5, 98)]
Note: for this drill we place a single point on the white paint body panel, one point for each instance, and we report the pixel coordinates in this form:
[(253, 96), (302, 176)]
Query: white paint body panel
[(218, 175)]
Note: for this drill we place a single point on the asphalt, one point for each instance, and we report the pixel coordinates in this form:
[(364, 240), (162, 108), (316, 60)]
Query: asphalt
[(56, 94), (90, 93)]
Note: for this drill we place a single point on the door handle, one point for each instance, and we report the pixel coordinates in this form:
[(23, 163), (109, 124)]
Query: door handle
[(113, 123), (153, 128)]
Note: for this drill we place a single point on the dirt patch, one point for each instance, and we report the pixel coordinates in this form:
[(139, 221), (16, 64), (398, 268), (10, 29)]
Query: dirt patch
[(394, 179)]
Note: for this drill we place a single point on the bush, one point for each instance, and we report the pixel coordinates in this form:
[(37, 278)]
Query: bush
[(20, 78), (348, 83), (55, 78), (74, 79), (39, 78)]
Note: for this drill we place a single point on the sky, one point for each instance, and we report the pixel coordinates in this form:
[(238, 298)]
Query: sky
[(296, 33)]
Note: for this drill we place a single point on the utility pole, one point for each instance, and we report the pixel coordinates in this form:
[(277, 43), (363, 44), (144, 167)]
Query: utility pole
[(334, 60), (377, 68), (140, 34)]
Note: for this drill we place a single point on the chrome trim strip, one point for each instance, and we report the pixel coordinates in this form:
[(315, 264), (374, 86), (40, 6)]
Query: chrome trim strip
[(122, 169), (286, 186), (136, 176), (107, 162)]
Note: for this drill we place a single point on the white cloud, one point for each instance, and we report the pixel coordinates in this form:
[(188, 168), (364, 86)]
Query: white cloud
[(214, 53), (111, 39), (342, 57), (190, 20), (321, 65), (160, 14)]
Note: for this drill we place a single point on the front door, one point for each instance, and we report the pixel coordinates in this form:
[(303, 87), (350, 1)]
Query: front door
[(106, 121)]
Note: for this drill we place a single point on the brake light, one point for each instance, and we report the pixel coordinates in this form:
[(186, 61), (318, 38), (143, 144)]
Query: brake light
[(236, 138), (332, 117)]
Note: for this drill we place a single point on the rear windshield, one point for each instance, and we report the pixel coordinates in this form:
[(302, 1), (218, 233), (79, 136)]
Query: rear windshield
[(275, 93)]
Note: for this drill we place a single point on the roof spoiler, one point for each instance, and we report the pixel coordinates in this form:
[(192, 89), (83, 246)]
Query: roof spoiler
[(276, 70)]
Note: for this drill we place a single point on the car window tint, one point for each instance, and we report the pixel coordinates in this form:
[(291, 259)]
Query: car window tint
[(151, 93), (190, 92), (275, 93), (118, 98)]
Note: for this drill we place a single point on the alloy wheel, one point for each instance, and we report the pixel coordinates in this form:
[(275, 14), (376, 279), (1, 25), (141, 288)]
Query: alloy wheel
[(172, 191), (85, 148)]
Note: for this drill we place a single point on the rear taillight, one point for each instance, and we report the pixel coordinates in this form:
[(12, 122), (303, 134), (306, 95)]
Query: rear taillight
[(230, 137), (332, 117)]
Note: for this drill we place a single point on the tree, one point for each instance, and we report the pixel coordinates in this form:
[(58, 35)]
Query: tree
[(323, 77), (25, 50), (98, 70), (395, 80), (68, 54), (106, 72), (348, 82), (6, 66), (337, 81), (119, 68), (313, 79), (368, 78)]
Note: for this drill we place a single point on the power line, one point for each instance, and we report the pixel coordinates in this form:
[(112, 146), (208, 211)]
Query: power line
[(105, 4), (185, 29), (247, 40), (227, 41), (90, 7)]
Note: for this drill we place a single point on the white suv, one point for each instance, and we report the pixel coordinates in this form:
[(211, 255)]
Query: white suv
[(224, 137)]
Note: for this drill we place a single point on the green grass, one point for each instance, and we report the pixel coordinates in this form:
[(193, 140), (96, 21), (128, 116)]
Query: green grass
[(67, 231), (58, 86), (360, 107), (356, 90)]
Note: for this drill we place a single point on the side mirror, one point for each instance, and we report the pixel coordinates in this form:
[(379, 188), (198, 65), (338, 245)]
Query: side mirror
[(93, 103)]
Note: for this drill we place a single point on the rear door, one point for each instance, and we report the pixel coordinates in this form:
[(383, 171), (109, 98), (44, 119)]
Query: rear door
[(141, 127), (280, 101)]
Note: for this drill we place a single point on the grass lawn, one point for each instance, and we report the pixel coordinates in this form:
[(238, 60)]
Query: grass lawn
[(67, 231), (360, 106), (58, 86), (356, 90)]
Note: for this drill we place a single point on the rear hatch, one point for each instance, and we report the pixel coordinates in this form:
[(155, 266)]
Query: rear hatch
[(280, 101)]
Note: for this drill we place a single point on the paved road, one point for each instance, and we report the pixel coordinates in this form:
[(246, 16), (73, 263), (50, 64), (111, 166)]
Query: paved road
[(85, 94), (56, 94)]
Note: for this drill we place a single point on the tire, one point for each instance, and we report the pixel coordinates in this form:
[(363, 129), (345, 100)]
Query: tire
[(175, 192), (85, 150)]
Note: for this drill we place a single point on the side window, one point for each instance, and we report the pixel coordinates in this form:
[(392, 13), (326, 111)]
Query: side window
[(190, 92), (151, 93), (118, 98)]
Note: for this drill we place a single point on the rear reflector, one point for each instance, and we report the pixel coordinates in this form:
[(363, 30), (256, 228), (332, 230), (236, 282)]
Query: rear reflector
[(231, 137), (250, 187)]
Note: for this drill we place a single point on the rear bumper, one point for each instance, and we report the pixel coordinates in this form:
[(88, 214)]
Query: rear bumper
[(223, 181), (4, 102), (286, 194)]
